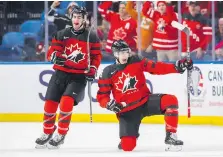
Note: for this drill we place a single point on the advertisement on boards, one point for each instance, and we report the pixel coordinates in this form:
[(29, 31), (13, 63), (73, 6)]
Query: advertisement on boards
[(25, 87)]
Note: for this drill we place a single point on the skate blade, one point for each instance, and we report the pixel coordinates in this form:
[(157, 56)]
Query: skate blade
[(173, 148), (40, 146), (49, 146)]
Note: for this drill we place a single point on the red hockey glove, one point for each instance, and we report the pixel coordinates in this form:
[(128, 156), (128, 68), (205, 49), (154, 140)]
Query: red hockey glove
[(90, 76), (183, 64), (113, 106), (58, 58)]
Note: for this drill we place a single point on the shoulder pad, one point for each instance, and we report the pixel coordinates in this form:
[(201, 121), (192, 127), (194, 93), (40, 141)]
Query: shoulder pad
[(135, 59), (64, 32), (108, 72)]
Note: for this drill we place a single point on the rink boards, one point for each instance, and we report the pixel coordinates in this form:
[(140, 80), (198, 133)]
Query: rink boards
[(23, 87)]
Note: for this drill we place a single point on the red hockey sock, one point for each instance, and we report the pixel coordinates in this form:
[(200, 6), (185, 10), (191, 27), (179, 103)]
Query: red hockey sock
[(128, 143), (50, 109), (66, 107), (169, 104)]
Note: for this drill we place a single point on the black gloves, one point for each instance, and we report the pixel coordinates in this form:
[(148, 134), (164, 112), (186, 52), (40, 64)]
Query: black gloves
[(183, 64), (57, 58), (113, 106)]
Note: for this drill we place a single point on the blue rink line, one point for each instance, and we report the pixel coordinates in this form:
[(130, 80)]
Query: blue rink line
[(35, 63)]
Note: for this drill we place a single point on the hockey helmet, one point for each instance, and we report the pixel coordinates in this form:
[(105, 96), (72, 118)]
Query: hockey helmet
[(120, 45), (79, 10)]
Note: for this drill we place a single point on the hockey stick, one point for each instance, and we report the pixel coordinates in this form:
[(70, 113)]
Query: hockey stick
[(186, 30), (88, 69)]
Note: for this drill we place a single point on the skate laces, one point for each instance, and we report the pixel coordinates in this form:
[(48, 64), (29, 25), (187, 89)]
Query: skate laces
[(44, 136), (58, 137), (173, 136)]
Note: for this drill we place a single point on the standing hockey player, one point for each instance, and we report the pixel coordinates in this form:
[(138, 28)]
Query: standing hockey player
[(69, 53), (132, 98)]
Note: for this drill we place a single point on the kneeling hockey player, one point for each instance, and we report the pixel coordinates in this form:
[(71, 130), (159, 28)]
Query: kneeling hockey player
[(132, 99)]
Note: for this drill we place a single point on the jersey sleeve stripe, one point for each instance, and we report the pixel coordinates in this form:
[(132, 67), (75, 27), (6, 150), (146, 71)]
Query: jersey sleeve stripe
[(104, 85), (101, 93)]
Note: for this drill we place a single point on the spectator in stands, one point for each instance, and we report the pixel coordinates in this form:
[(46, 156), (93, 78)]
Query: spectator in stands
[(204, 7), (146, 28), (219, 40), (60, 20), (219, 33), (103, 29), (165, 40), (122, 26), (200, 32)]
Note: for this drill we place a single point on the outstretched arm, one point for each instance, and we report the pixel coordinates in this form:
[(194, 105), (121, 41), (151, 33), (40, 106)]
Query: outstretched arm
[(103, 8), (161, 68), (158, 68)]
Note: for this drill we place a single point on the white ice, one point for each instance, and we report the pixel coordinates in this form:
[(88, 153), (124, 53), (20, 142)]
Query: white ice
[(101, 140)]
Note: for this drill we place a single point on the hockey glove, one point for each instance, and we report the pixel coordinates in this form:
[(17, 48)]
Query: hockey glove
[(57, 58), (113, 106), (90, 76), (183, 64)]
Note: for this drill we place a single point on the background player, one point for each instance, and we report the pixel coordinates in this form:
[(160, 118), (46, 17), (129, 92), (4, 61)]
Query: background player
[(69, 54), (132, 99)]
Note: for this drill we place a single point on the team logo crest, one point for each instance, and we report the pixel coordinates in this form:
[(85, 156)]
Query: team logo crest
[(119, 34), (76, 54), (196, 82), (126, 83)]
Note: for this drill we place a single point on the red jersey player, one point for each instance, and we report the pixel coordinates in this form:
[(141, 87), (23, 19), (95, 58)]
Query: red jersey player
[(122, 26), (132, 99), (70, 55)]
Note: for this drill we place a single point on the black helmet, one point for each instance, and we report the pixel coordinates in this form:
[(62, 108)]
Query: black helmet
[(119, 45), (78, 10)]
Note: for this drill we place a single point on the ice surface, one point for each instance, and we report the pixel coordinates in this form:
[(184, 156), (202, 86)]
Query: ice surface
[(101, 140)]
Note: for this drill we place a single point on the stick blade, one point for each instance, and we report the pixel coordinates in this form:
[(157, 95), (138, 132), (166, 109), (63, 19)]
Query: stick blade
[(180, 27)]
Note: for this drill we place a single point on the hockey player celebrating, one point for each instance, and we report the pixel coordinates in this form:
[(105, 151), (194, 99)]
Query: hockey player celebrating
[(69, 53), (132, 98)]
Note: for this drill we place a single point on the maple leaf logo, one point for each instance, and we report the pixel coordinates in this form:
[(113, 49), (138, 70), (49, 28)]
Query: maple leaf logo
[(76, 54), (126, 83), (119, 34)]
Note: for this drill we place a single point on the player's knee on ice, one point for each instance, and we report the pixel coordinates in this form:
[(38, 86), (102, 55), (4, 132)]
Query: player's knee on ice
[(128, 143)]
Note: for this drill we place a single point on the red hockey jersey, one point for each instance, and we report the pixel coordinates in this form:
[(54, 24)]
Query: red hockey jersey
[(127, 82), (200, 32), (166, 38), (119, 28), (75, 46)]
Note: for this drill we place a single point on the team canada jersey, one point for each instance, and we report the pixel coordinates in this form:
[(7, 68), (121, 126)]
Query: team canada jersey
[(200, 32), (119, 28), (164, 38), (127, 82), (75, 47)]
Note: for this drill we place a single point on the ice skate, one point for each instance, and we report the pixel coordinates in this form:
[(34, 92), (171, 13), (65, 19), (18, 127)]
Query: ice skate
[(43, 140), (120, 146), (172, 143), (56, 141)]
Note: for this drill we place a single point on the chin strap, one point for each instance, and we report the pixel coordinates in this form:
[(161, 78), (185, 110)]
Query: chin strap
[(80, 30)]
